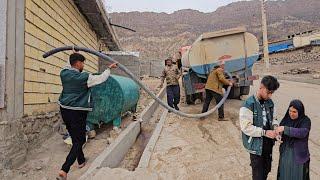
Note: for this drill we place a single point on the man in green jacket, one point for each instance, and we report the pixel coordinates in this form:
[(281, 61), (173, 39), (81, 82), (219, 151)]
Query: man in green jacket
[(75, 103), (258, 122), (215, 82)]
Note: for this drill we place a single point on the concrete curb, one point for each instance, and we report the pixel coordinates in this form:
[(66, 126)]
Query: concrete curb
[(113, 154), (153, 105), (146, 155)]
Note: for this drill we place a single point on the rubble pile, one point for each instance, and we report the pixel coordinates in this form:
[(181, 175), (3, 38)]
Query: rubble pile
[(300, 71), (298, 56)]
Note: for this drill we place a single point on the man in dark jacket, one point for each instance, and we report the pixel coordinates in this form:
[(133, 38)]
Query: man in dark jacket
[(74, 104)]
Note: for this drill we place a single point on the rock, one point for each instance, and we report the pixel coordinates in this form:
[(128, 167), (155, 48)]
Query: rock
[(110, 140), (316, 76), (197, 101), (38, 168), (92, 134), (299, 71)]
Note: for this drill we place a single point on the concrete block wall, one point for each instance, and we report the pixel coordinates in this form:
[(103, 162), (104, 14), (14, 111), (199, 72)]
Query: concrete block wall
[(129, 60), (50, 24), (152, 68)]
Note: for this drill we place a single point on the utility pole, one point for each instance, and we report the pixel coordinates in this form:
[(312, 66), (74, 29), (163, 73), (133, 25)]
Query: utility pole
[(265, 35)]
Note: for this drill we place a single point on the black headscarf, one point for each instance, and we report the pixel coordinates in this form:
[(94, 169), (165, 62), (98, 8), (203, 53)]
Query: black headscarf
[(296, 123)]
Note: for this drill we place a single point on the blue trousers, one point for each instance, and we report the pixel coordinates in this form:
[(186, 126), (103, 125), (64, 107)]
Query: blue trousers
[(173, 95)]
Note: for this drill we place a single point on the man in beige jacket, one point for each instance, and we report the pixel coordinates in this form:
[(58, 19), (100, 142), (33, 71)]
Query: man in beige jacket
[(214, 86)]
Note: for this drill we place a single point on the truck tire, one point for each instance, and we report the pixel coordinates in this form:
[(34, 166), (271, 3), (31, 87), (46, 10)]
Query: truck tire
[(189, 99), (234, 93), (244, 90)]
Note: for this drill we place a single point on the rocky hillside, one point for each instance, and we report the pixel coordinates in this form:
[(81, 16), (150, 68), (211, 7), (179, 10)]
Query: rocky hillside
[(160, 34)]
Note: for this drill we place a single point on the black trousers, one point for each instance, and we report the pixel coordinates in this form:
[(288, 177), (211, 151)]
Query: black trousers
[(209, 96), (76, 125), (173, 95), (261, 165)]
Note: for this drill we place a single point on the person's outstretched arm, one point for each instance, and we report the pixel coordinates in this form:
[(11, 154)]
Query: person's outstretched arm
[(94, 80)]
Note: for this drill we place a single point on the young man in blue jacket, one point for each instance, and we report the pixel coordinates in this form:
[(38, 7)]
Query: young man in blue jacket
[(75, 103), (258, 123)]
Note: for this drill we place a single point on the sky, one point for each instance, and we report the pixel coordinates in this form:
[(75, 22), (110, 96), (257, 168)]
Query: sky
[(167, 6)]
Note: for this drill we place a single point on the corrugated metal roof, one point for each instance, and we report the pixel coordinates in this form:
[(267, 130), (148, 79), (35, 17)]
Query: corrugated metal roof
[(97, 17)]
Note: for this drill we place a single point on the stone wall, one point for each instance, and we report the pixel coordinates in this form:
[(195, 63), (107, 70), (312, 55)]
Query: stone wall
[(38, 127), (14, 145), (303, 55)]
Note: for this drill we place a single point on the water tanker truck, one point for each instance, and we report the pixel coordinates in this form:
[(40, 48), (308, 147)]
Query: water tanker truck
[(237, 48)]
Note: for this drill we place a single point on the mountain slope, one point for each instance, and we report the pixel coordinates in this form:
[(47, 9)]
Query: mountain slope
[(159, 35)]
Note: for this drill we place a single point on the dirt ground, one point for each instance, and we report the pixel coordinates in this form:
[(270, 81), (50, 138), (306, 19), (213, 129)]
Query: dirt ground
[(187, 148), (44, 162), (209, 149), (153, 84)]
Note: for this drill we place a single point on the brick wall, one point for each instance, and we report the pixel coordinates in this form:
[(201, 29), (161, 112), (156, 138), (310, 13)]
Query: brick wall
[(49, 24)]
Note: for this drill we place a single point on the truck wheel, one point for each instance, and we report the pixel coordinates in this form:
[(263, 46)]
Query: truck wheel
[(189, 99), (244, 90), (234, 93)]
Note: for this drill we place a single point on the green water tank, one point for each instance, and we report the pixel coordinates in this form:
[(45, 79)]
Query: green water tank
[(111, 100)]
